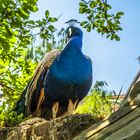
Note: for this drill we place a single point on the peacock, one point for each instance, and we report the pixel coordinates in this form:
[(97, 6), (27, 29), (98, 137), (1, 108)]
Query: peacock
[(61, 80)]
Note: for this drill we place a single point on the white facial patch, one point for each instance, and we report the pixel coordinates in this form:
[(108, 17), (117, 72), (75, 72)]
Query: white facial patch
[(70, 31)]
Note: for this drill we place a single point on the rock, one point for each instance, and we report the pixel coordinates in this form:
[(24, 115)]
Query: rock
[(64, 128)]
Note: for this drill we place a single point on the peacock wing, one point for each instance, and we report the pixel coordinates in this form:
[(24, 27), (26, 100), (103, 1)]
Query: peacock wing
[(35, 89)]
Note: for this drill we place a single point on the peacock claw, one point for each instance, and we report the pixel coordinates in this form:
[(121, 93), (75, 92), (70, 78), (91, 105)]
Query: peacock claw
[(40, 101), (72, 106), (55, 108)]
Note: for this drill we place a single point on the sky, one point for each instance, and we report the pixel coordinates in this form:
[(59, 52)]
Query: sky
[(114, 62)]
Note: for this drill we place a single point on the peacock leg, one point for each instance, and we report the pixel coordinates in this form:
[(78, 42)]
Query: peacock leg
[(75, 104), (71, 106), (40, 101), (55, 108)]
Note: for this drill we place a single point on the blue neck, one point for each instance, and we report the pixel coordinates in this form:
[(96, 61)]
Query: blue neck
[(74, 43), (70, 61), (72, 49)]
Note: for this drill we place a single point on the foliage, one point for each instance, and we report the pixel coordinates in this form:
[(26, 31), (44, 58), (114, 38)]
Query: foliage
[(20, 50), (36, 51), (16, 36), (100, 18), (97, 102)]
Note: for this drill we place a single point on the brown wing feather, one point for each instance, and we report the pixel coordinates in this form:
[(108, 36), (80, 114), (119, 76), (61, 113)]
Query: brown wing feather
[(43, 65)]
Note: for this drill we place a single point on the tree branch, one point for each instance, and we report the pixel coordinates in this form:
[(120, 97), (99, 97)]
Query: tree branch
[(86, 2)]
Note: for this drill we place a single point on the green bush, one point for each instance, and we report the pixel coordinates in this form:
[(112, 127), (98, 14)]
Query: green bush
[(97, 102)]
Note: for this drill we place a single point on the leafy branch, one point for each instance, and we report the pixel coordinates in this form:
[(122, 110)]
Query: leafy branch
[(99, 18)]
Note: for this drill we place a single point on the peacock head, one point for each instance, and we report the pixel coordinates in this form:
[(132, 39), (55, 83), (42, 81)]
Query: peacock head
[(72, 31)]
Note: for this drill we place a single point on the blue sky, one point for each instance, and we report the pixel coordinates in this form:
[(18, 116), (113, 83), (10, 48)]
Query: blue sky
[(113, 62)]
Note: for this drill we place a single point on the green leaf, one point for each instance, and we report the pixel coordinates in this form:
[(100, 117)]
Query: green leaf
[(117, 38), (51, 19), (119, 14), (51, 28), (31, 22), (108, 36), (89, 28), (47, 14), (92, 4), (90, 17), (81, 10), (83, 23), (82, 4)]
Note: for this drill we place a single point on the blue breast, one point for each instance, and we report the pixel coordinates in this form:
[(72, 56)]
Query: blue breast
[(70, 75)]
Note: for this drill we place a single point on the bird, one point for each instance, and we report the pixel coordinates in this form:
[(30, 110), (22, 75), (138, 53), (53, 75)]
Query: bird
[(61, 80)]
